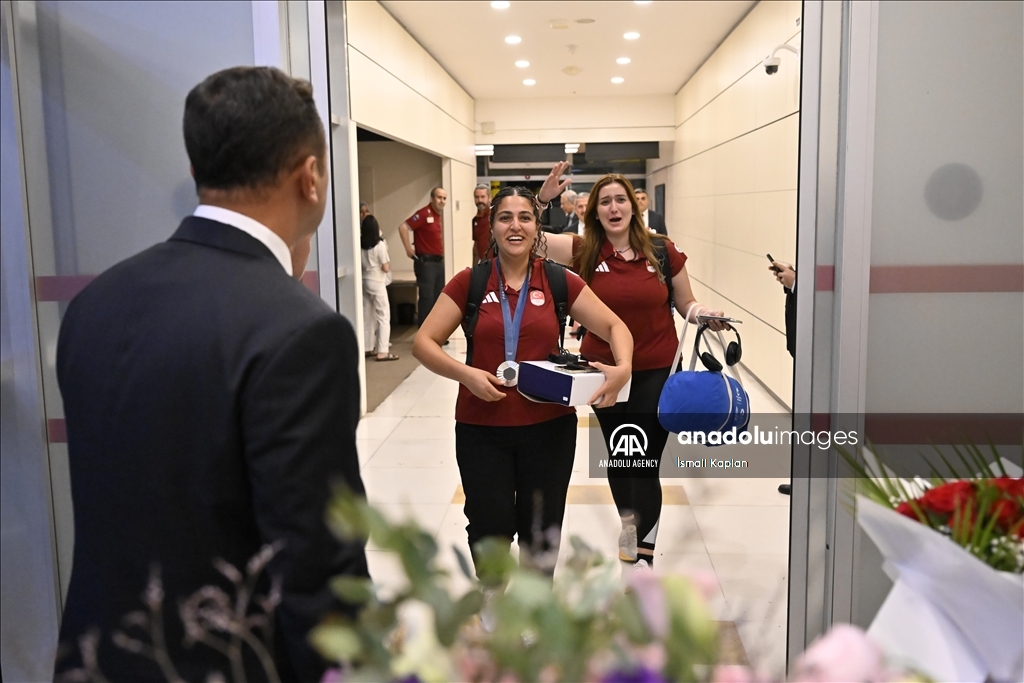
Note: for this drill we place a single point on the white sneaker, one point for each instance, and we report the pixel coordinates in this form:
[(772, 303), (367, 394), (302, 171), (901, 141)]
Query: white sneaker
[(642, 566), (488, 617), (627, 543)]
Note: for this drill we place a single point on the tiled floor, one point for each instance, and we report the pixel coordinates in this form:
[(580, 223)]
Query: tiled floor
[(735, 531)]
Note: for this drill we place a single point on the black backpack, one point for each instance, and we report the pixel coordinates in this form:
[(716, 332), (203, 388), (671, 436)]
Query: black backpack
[(478, 278)]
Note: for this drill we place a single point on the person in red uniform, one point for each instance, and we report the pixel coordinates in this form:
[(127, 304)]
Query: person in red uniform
[(497, 430), (481, 223), (617, 258), (428, 256)]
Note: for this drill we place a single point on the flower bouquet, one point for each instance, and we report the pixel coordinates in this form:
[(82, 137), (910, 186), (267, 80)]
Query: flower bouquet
[(586, 625), (954, 549)]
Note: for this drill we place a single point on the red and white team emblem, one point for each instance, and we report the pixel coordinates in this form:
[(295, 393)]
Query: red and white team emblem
[(537, 297), (650, 268)]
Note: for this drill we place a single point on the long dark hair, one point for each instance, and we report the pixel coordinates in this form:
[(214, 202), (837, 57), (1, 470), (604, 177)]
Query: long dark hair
[(513, 191), (639, 236), (369, 233)]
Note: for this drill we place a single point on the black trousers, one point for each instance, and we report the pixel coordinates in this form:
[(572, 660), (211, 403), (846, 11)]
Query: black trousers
[(511, 475), (429, 282), (638, 490)]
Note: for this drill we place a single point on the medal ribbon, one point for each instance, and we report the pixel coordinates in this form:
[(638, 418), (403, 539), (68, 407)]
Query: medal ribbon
[(512, 324)]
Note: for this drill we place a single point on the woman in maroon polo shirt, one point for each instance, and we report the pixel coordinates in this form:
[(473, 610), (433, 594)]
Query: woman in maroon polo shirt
[(510, 449), (617, 258)]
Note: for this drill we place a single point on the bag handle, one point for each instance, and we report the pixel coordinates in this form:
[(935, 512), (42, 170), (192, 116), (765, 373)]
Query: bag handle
[(677, 358)]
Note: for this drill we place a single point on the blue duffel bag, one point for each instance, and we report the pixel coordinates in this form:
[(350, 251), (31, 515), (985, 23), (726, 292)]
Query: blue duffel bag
[(708, 401)]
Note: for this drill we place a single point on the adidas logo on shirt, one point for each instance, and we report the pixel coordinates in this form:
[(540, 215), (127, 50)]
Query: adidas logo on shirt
[(491, 298), (603, 268)]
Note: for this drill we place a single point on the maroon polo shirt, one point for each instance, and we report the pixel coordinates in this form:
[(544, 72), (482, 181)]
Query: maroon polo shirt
[(538, 337), (481, 235), (634, 293), (426, 225)]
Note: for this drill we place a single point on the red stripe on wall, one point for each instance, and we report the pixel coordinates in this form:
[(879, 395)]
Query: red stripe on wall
[(57, 430), (946, 279), (824, 278), (1003, 430), (311, 279), (67, 287), (60, 287)]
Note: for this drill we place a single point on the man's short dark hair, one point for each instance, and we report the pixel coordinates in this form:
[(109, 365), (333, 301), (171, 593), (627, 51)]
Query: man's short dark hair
[(245, 126), (639, 190), (433, 192)]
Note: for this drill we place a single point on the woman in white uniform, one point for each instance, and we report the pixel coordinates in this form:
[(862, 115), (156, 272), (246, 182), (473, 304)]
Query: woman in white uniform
[(376, 276)]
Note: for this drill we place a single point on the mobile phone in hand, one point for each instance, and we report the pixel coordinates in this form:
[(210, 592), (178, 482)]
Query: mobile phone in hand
[(772, 261)]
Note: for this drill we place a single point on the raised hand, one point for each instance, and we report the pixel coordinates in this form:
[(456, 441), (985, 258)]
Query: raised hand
[(553, 184)]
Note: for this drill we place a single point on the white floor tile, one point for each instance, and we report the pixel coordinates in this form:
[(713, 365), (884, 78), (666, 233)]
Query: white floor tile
[(707, 491), (373, 426), (420, 428), (415, 485), (439, 453), (366, 448), (743, 529)]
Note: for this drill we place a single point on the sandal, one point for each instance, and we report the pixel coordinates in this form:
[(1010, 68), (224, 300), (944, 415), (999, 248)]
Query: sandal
[(390, 356)]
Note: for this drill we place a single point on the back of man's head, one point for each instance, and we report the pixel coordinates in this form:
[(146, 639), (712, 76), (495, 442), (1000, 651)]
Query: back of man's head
[(246, 126)]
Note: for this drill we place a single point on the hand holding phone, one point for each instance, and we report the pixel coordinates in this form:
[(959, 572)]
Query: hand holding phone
[(772, 261)]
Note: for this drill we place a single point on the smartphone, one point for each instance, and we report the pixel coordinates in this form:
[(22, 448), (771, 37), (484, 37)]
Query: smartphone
[(724, 319), (772, 261)]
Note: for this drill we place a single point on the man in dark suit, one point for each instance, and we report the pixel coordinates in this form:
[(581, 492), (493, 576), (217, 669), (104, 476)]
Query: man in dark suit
[(211, 401), (654, 221)]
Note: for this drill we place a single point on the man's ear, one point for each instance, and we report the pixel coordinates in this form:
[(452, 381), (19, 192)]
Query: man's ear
[(309, 176)]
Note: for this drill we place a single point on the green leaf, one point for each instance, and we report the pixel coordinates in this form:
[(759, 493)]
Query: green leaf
[(336, 642), (352, 589)]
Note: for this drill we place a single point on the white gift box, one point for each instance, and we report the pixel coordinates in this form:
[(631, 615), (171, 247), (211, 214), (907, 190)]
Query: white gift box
[(544, 381), (949, 614)]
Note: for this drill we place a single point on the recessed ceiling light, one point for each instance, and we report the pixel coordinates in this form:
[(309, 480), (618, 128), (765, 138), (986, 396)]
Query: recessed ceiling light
[(585, 20), (484, 150), (529, 81), (514, 40), (632, 35), (522, 64), (623, 60), (639, 2), (618, 79), (500, 4)]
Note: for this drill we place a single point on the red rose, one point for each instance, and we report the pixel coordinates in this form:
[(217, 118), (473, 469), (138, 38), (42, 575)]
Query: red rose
[(945, 499), (907, 511), (1013, 488)]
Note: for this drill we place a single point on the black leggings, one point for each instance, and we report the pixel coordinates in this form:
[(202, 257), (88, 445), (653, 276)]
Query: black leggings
[(504, 469), (637, 491)]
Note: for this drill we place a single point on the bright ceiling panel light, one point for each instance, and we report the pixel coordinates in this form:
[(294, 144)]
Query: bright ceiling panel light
[(522, 64), (515, 40), (618, 79), (639, 2), (500, 4), (632, 35), (572, 148), (623, 60), (529, 81), (484, 150)]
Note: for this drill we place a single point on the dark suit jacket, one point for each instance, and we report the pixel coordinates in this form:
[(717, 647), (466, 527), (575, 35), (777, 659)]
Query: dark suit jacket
[(657, 222), (210, 402), (790, 321), (573, 226)]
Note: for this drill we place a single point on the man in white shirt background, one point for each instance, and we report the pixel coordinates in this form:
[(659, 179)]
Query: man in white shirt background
[(654, 221)]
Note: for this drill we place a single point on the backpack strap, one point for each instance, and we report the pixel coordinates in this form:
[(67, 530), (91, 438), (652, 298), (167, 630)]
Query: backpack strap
[(478, 278), (555, 274)]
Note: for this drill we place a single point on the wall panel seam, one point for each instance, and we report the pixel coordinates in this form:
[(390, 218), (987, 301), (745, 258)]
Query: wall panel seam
[(738, 305), (725, 142), (723, 90), (390, 73)]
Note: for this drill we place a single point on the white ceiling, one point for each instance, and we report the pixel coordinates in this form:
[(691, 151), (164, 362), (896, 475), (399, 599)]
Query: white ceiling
[(468, 39)]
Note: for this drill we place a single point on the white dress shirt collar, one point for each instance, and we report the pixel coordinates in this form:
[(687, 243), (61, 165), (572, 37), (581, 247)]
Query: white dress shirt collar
[(251, 227), (647, 218)]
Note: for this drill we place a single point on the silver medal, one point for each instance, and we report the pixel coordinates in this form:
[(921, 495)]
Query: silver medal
[(508, 373)]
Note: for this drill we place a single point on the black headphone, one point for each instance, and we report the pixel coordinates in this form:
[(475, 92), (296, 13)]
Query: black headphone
[(733, 352)]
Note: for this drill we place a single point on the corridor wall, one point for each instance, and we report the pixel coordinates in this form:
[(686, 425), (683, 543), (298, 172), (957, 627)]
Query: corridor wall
[(398, 90), (730, 181), (395, 180)]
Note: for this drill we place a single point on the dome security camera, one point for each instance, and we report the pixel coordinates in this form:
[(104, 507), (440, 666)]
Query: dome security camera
[(771, 62)]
